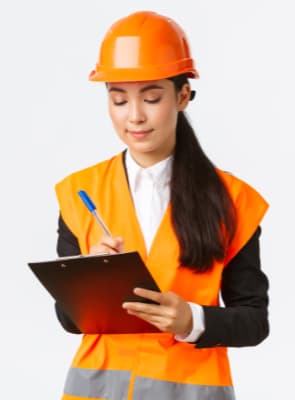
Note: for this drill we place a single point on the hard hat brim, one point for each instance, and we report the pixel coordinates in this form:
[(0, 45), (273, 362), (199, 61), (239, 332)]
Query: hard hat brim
[(143, 74)]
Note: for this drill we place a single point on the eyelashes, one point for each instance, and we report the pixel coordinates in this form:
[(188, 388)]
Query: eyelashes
[(119, 103), (153, 101)]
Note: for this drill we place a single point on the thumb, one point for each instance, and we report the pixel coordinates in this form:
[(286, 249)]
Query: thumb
[(120, 244)]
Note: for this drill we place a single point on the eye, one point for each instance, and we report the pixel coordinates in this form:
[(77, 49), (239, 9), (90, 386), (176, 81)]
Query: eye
[(118, 100), (153, 101), (119, 103)]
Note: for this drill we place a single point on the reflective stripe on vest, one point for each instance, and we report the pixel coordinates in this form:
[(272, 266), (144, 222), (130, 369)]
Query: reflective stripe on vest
[(113, 385), (147, 389), (93, 383)]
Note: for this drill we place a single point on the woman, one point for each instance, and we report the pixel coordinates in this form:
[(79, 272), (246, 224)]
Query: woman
[(195, 226)]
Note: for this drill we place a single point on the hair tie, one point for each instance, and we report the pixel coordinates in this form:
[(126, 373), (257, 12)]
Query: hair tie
[(192, 95)]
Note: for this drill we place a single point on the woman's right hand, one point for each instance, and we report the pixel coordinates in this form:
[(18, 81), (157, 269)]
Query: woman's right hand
[(109, 245)]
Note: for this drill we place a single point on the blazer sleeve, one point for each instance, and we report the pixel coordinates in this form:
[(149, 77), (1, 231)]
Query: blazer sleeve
[(67, 245), (244, 319)]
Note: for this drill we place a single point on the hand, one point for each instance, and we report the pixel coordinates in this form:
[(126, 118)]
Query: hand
[(172, 314), (108, 244)]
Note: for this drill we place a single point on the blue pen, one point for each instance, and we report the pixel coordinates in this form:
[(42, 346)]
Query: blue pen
[(92, 208)]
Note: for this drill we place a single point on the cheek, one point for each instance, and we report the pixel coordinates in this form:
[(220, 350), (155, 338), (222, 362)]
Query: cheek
[(117, 116), (167, 116)]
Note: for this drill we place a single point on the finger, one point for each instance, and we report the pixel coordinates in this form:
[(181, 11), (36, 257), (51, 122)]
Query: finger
[(149, 309), (158, 321), (168, 299), (114, 243), (108, 245), (101, 249), (148, 294), (120, 244), (152, 319)]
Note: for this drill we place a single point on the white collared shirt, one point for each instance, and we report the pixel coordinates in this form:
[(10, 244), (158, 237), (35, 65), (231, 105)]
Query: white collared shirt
[(150, 190)]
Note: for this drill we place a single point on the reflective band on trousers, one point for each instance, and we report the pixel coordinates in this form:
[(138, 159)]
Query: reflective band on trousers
[(114, 385)]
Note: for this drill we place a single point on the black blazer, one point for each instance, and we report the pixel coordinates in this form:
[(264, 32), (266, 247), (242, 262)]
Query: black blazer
[(244, 319)]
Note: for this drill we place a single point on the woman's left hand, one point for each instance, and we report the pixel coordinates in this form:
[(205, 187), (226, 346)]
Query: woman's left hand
[(172, 314)]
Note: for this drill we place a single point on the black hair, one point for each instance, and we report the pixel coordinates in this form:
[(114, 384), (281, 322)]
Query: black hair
[(203, 214)]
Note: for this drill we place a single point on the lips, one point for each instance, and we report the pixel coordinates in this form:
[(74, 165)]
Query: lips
[(140, 134)]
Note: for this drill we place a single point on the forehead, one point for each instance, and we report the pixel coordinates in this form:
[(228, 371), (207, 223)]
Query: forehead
[(140, 85)]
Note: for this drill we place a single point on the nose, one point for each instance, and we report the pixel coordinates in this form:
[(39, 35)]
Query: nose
[(136, 113)]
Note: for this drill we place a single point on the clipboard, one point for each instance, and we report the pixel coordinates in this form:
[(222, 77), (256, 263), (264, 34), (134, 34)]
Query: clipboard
[(91, 290)]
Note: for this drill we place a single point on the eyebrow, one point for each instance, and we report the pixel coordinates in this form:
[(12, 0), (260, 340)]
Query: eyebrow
[(142, 90)]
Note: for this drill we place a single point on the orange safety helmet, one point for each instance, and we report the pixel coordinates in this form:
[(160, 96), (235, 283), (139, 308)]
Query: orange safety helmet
[(143, 46)]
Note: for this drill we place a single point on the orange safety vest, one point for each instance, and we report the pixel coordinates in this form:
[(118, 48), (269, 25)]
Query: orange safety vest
[(150, 365)]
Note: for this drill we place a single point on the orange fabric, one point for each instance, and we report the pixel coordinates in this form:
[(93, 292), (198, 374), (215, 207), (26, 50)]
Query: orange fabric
[(128, 51), (153, 355), (251, 208)]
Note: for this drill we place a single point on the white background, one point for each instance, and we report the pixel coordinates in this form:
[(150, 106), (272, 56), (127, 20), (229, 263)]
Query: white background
[(53, 121)]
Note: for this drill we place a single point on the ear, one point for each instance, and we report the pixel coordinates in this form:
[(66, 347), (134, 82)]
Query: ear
[(183, 97)]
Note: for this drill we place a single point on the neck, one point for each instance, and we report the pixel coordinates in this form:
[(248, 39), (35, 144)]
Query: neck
[(146, 160), (149, 158)]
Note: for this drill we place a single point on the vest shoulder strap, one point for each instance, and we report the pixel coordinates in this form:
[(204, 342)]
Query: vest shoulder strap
[(250, 209)]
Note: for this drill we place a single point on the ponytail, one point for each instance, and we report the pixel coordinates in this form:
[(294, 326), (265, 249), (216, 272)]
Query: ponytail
[(203, 214)]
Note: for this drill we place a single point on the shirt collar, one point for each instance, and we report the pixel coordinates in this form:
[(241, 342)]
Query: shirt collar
[(160, 173)]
